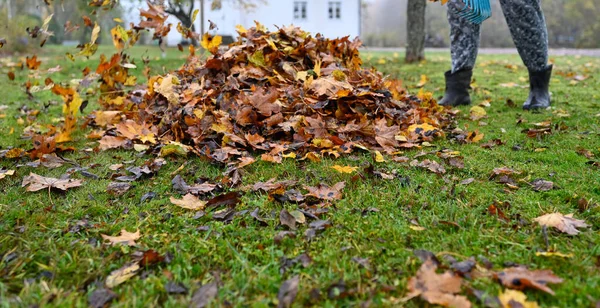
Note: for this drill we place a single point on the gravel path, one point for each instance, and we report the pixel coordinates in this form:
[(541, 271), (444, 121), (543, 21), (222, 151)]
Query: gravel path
[(505, 51)]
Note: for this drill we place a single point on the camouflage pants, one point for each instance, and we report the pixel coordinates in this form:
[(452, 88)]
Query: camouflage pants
[(527, 26)]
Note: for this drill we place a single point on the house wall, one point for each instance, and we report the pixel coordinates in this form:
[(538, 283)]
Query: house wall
[(273, 13), (281, 13)]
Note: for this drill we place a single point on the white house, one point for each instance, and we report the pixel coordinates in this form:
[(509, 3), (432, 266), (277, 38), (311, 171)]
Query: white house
[(335, 18)]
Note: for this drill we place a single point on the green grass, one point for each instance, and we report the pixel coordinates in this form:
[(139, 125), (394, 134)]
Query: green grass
[(44, 263)]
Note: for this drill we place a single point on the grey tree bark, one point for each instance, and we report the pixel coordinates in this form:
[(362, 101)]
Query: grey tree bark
[(415, 30)]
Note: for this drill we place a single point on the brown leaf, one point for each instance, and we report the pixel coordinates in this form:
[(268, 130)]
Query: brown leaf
[(437, 289), (38, 182), (542, 185), (286, 219), (125, 237), (151, 257), (432, 166), (189, 202), (204, 295), (520, 278), (117, 188), (325, 192), (287, 292), (228, 199), (564, 223)]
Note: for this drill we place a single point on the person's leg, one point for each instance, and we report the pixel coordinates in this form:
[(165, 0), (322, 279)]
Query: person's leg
[(528, 29), (464, 42)]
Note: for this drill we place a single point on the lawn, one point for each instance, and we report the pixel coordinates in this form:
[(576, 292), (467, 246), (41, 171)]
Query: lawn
[(55, 255)]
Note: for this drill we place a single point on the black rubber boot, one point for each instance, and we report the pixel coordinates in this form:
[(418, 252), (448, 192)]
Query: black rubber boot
[(539, 95), (458, 85)]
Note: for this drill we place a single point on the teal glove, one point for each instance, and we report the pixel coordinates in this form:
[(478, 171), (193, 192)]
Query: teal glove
[(476, 11)]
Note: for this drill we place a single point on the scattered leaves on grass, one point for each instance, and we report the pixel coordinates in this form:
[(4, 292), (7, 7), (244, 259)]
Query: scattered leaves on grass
[(126, 238), (189, 202), (521, 278), (38, 182), (564, 223)]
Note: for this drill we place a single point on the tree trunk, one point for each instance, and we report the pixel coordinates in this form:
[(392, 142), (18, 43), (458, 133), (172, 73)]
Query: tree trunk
[(415, 29)]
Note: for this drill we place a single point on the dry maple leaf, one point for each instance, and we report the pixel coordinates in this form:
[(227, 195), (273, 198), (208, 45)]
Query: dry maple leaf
[(521, 278), (564, 223), (437, 289), (325, 192), (189, 202), (125, 237), (38, 182)]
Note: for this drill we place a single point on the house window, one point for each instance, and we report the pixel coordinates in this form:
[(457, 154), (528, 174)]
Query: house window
[(300, 9), (335, 10)]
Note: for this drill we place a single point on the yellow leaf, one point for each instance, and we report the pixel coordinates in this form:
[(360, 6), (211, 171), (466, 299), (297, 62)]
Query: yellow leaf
[(424, 128), (423, 81), (95, 34), (194, 15), (344, 169), (290, 155), (378, 157), (240, 29), (477, 113), (117, 19), (553, 254), (416, 228), (211, 43), (509, 298)]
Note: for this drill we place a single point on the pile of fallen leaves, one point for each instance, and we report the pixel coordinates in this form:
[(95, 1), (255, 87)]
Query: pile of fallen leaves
[(281, 94)]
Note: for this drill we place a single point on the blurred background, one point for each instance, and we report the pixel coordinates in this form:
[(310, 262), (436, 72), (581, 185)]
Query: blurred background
[(379, 23)]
